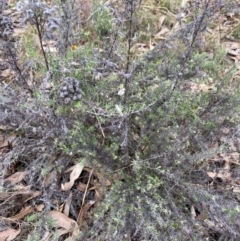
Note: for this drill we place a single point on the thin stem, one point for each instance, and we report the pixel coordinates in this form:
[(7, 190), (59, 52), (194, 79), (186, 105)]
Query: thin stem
[(38, 24), (16, 67)]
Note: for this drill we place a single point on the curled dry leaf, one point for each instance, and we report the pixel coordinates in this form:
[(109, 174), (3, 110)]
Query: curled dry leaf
[(9, 234), (65, 222), (24, 212), (76, 171), (16, 177)]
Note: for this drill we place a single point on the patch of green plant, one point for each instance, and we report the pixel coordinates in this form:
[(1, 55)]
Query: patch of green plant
[(32, 218), (102, 21), (169, 4), (154, 129), (236, 33)]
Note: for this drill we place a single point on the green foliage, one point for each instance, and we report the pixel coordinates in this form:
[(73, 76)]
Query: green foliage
[(147, 201), (32, 217), (236, 32), (102, 19), (150, 117)]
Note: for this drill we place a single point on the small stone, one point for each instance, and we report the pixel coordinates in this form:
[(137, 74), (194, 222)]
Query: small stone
[(61, 94), (48, 86), (71, 89), (67, 100)]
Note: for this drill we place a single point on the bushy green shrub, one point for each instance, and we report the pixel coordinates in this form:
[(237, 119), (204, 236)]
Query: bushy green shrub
[(153, 119), (156, 130)]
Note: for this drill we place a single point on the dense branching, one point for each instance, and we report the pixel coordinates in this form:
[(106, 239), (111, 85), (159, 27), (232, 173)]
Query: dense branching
[(138, 116)]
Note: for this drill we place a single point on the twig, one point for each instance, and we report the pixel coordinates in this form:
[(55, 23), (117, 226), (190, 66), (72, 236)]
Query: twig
[(84, 196), (83, 200)]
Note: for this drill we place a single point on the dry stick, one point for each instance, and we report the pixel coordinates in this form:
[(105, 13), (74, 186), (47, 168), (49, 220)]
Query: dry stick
[(100, 125), (17, 68), (85, 193), (39, 32)]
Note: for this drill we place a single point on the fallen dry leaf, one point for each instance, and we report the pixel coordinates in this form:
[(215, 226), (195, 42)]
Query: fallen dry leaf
[(152, 44), (69, 239), (6, 73), (232, 145), (49, 178), (162, 33), (9, 234), (193, 212), (76, 171), (62, 231), (21, 187), (160, 21), (39, 208), (68, 205), (24, 212), (6, 195), (65, 222), (98, 196), (225, 175), (16, 177), (83, 210), (81, 187), (226, 163), (34, 194)]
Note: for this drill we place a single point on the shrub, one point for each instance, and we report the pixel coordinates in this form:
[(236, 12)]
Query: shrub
[(150, 122), (153, 119)]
